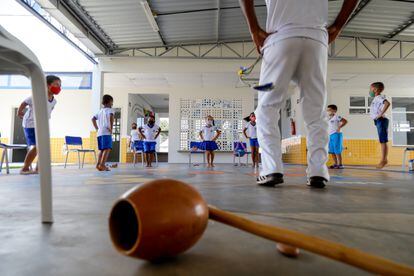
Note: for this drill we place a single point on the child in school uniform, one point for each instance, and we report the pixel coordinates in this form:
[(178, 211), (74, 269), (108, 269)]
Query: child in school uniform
[(209, 135), (379, 106), (336, 123), (250, 133), (135, 139), (103, 122), (53, 89), (150, 133)]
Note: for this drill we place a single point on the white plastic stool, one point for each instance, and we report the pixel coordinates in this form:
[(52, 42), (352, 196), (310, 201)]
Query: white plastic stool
[(17, 59)]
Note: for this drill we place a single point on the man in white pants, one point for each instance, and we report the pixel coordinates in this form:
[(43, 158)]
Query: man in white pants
[(294, 47)]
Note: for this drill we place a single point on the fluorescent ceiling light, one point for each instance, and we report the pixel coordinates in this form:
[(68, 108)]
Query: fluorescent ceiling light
[(150, 16)]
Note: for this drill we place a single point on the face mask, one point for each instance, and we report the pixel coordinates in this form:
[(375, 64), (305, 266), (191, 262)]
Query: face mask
[(55, 89), (210, 122), (371, 93)]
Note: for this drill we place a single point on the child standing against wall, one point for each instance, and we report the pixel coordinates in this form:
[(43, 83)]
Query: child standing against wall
[(53, 89), (209, 135), (336, 123), (379, 106), (150, 133), (103, 122), (250, 133)]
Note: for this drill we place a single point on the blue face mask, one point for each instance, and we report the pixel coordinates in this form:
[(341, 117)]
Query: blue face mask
[(371, 93)]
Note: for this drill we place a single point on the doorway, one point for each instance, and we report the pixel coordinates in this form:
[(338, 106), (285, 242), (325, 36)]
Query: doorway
[(116, 137), (18, 155)]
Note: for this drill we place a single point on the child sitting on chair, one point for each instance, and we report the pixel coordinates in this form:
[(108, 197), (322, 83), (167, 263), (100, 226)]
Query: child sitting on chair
[(209, 134), (103, 122), (150, 133)]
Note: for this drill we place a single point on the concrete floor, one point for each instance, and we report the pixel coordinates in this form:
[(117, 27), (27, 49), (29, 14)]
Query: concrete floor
[(367, 209)]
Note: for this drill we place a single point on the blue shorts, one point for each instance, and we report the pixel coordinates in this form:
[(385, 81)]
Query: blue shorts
[(382, 128), (149, 146), (210, 145), (254, 142), (104, 142), (30, 135), (138, 145), (335, 143)]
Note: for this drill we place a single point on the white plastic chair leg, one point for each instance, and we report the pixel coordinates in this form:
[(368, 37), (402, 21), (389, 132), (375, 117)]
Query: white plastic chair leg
[(66, 159), (43, 141)]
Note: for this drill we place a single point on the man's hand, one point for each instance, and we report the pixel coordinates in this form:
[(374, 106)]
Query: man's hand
[(20, 114), (259, 36), (333, 33)]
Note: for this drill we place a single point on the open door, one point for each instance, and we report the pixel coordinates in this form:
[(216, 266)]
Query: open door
[(18, 138), (116, 137)]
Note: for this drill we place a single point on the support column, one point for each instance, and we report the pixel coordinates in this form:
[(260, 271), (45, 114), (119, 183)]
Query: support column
[(97, 89)]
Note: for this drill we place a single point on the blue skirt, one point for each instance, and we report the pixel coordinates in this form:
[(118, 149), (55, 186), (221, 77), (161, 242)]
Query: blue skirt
[(210, 145)]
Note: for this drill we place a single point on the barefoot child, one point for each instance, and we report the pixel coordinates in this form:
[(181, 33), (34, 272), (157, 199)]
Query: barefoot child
[(250, 133), (378, 108), (336, 123), (209, 140), (53, 89), (150, 133), (103, 122)]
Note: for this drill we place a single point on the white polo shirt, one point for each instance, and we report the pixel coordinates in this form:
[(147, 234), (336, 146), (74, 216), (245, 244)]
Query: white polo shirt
[(209, 132), (28, 119), (377, 106), (135, 135), (251, 130), (103, 118), (334, 122), (150, 132), (297, 18)]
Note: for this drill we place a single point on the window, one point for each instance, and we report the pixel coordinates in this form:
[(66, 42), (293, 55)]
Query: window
[(164, 125), (403, 121), (359, 105), (70, 80)]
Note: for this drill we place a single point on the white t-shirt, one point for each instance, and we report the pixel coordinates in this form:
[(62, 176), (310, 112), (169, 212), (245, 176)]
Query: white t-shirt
[(135, 135), (251, 130), (150, 132), (334, 122), (104, 121), (297, 18), (209, 132), (377, 105), (28, 119)]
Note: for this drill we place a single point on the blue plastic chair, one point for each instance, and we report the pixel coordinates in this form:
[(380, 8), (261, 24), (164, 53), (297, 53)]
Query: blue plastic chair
[(196, 148), (75, 144), (236, 153)]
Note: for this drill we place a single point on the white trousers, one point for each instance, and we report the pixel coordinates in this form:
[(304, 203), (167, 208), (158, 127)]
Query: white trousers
[(304, 61)]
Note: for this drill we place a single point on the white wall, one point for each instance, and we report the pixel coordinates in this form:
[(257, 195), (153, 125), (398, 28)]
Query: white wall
[(359, 126), (71, 116)]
